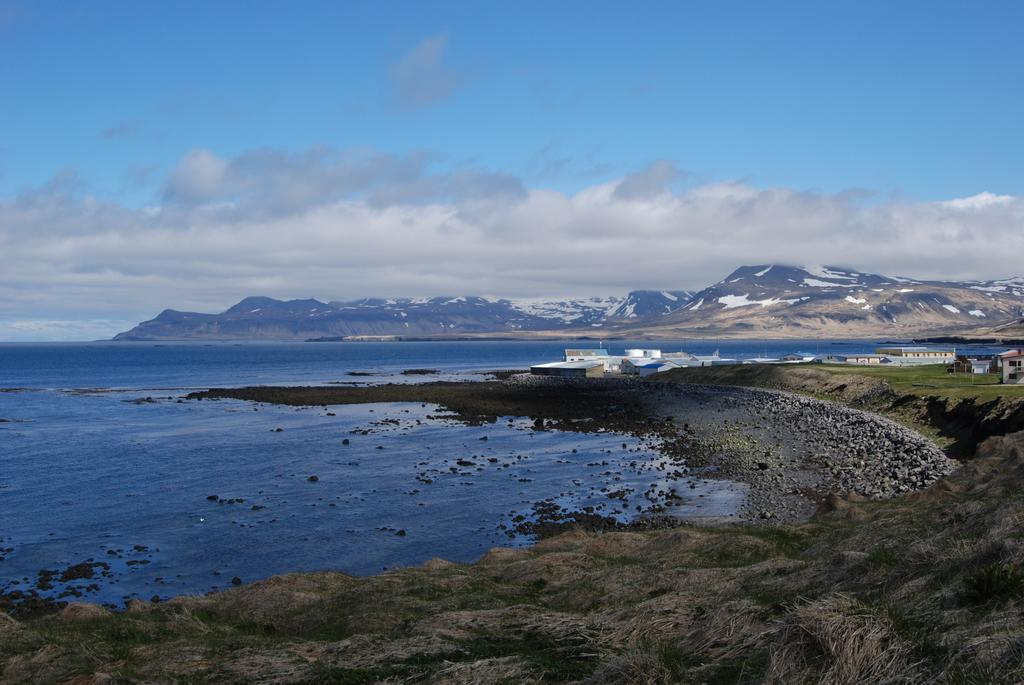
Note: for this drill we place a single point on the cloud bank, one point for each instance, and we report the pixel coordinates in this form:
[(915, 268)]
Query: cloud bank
[(339, 224)]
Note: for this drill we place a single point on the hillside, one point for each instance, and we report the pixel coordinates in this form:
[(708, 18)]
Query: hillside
[(753, 301), (786, 301)]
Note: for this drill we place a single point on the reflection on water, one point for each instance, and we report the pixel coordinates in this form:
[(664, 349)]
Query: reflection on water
[(170, 497)]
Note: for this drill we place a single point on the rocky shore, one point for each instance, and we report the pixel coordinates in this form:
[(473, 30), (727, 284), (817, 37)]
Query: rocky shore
[(792, 451), (925, 588)]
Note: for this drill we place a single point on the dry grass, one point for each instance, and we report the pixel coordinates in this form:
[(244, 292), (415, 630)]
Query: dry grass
[(838, 640)]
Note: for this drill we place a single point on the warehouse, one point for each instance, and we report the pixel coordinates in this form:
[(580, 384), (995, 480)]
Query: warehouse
[(857, 359), (905, 356), (575, 369), (639, 366)]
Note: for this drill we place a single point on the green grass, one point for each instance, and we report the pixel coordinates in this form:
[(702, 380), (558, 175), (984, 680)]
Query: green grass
[(557, 663), (923, 380), (931, 379), (994, 583), (881, 557)]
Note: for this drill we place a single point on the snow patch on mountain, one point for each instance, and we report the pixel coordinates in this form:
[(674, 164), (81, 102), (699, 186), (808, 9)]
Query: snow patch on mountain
[(830, 272), (734, 301)]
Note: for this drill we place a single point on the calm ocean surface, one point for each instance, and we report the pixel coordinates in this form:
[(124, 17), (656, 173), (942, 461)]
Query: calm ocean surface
[(176, 365), (89, 473)]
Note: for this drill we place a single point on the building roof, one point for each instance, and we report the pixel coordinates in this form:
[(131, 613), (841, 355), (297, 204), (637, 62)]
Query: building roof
[(568, 365), (644, 363), (578, 352)]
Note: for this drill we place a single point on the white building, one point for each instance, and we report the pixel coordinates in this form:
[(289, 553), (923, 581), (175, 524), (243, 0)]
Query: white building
[(1012, 363), (910, 356), (575, 369)]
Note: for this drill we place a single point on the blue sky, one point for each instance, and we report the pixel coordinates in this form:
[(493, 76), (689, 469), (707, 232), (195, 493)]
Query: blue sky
[(890, 97), (187, 155)]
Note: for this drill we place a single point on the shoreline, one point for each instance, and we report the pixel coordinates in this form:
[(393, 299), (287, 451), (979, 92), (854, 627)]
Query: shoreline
[(725, 432), (702, 433), (686, 604)]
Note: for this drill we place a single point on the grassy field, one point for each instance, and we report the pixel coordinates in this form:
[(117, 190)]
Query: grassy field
[(927, 380), (932, 379)]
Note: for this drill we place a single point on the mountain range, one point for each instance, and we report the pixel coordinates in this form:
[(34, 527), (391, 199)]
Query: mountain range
[(767, 300)]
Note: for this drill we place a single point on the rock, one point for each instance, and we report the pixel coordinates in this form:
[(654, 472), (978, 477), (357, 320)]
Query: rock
[(313, 479), (236, 581), (345, 441), (400, 533)]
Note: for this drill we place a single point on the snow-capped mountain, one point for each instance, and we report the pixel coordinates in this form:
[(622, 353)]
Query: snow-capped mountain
[(264, 318), (777, 299), (769, 300), (642, 304), (593, 311)]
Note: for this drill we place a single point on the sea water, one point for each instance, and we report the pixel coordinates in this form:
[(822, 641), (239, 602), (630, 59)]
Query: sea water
[(103, 460)]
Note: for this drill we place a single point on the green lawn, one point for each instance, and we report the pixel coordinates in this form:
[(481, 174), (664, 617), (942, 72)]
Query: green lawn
[(932, 379)]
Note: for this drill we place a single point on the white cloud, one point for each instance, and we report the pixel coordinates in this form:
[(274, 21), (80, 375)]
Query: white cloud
[(268, 181), (421, 78), (344, 224), (650, 182), (979, 201)]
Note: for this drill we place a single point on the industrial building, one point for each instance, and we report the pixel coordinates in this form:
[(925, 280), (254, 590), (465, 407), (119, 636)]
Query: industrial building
[(574, 369), (905, 356), (896, 356), (595, 363), (872, 359)]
